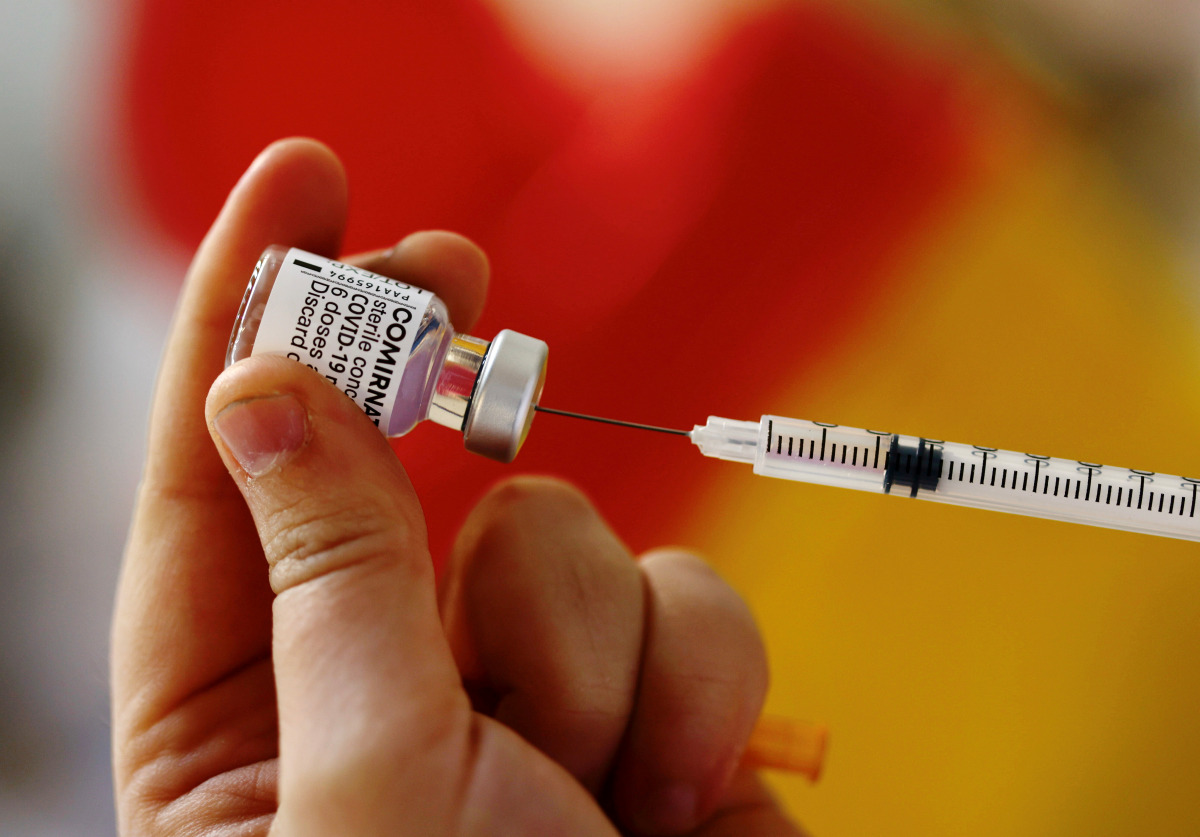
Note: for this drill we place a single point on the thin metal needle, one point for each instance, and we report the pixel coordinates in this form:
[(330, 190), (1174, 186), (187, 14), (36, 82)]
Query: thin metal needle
[(617, 422)]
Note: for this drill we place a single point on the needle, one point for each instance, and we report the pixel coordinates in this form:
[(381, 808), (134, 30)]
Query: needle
[(617, 422)]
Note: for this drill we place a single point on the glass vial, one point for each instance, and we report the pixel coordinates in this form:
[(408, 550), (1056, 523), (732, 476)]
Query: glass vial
[(391, 348)]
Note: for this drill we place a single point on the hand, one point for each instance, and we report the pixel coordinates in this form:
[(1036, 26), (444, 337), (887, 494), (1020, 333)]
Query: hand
[(561, 687)]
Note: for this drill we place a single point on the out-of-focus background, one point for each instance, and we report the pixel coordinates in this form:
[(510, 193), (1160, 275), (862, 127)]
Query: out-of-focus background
[(970, 219)]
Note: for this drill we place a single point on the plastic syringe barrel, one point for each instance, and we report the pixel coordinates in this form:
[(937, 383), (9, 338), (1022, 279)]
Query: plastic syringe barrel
[(966, 475)]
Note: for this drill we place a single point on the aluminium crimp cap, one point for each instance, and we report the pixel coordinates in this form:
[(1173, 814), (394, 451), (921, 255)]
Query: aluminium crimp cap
[(507, 390)]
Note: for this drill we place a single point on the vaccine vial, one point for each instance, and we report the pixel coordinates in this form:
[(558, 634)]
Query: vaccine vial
[(391, 348)]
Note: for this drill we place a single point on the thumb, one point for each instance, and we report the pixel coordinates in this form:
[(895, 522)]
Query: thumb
[(368, 693)]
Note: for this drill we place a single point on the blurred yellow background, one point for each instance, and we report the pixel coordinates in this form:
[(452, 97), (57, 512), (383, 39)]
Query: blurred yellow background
[(985, 674)]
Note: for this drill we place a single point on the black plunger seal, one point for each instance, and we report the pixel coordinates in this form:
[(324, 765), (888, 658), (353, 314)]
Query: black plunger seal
[(917, 467)]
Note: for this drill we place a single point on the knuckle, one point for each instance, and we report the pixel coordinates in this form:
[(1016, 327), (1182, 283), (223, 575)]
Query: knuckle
[(674, 559), (516, 518), (708, 628), (535, 496), (308, 540)]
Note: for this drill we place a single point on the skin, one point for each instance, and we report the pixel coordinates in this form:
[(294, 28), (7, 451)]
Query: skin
[(283, 662)]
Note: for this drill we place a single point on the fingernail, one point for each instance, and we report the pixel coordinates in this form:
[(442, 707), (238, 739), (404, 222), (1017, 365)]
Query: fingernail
[(262, 433), (671, 809)]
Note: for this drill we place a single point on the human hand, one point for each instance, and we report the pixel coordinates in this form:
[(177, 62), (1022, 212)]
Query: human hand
[(560, 688)]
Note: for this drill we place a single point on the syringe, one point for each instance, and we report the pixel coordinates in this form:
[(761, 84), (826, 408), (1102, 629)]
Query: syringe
[(948, 472)]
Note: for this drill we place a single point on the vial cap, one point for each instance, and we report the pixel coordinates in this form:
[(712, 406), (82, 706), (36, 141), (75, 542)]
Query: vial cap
[(506, 391)]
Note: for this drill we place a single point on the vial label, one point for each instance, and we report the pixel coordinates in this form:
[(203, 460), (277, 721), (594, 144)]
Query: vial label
[(354, 327)]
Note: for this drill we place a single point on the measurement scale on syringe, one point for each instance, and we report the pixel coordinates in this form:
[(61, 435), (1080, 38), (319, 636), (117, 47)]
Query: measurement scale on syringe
[(965, 475)]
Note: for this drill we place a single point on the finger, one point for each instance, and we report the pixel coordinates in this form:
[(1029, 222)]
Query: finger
[(703, 681), (543, 606), (295, 194), (747, 807), (192, 604), (370, 703), (449, 265)]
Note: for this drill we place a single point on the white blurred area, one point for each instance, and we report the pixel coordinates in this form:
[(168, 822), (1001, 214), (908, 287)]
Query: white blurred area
[(585, 40), (84, 303), (85, 296)]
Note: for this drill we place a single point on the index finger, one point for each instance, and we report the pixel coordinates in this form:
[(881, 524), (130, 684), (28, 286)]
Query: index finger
[(451, 266), (193, 590), (293, 193)]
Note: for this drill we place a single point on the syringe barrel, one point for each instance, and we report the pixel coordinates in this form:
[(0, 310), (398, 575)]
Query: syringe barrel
[(970, 475), (825, 454)]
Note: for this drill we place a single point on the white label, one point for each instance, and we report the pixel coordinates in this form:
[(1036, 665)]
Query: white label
[(354, 327)]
